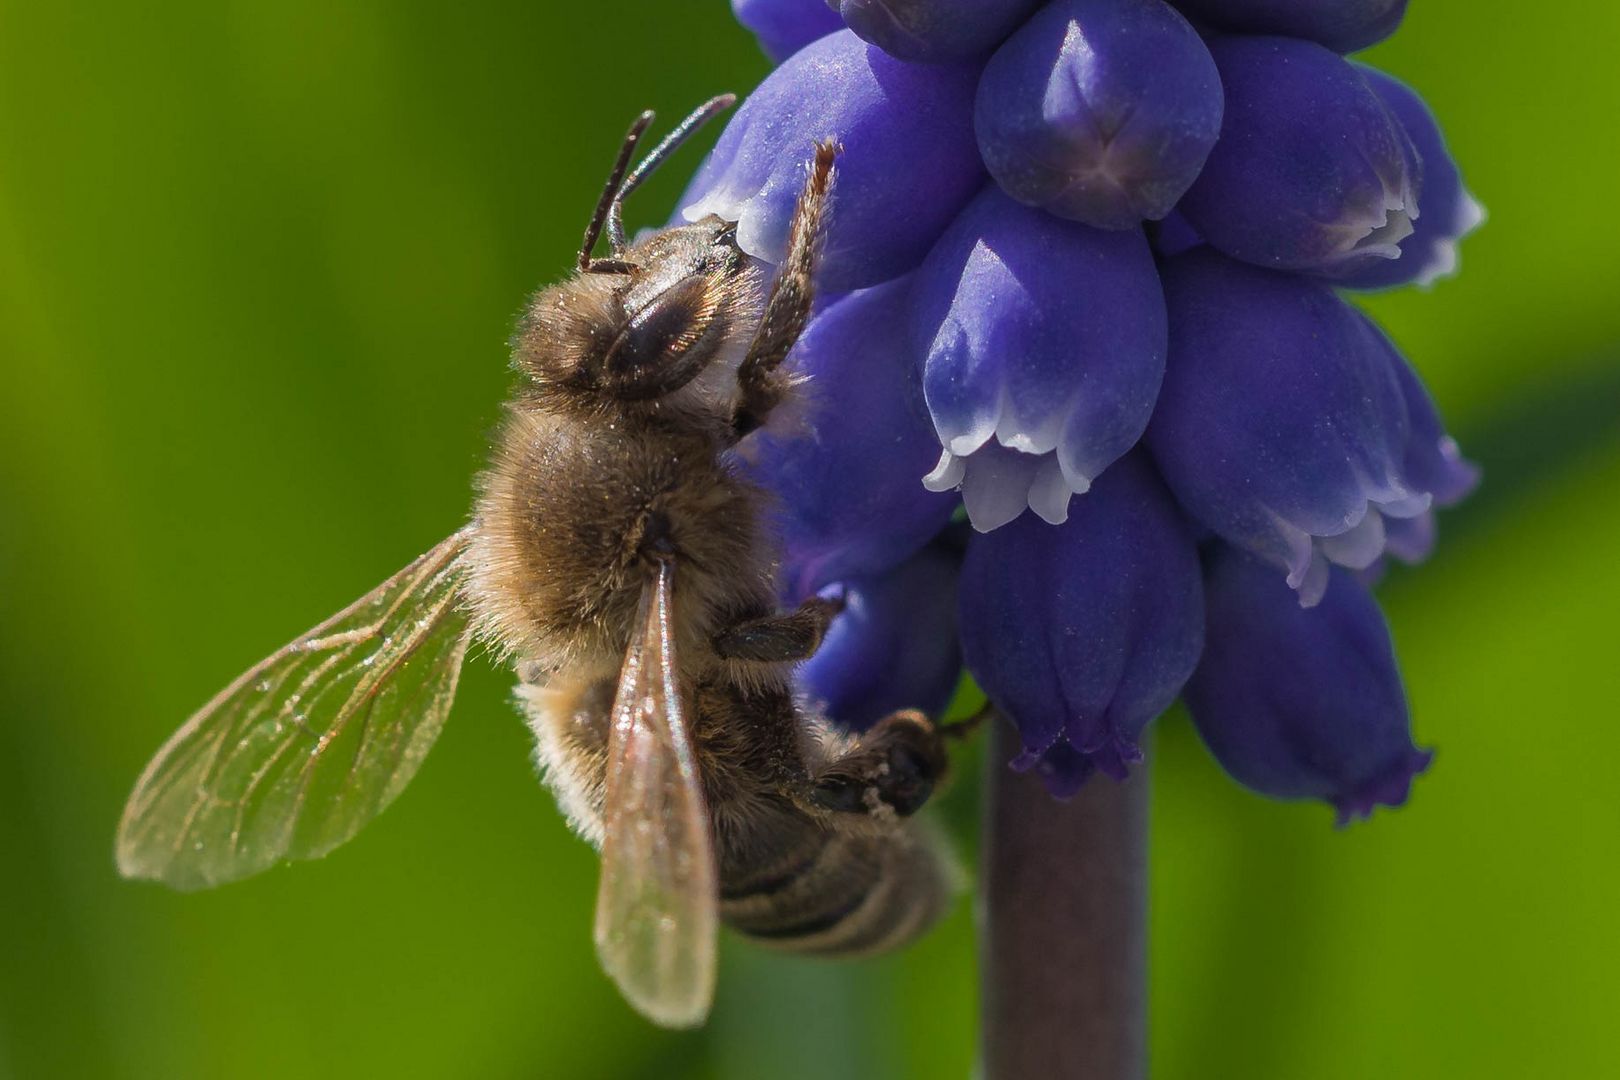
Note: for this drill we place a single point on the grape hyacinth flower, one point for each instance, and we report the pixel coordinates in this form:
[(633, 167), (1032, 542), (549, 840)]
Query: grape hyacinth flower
[(1084, 632), (1083, 259), (845, 468), (892, 119), (895, 646), (1300, 703), (1449, 212), (1300, 487), (1102, 111), (1043, 344), (1310, 172), (1094, 252)]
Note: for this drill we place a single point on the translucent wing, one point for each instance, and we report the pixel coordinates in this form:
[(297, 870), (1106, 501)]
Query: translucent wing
[(293, 757), (657, 909)]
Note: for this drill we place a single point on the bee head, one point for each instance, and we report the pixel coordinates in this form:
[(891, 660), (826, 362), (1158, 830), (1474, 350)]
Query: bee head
[(644, 322), (672, 305)]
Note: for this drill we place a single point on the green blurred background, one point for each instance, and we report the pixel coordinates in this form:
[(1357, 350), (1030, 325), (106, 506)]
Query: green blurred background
[(257, 264)]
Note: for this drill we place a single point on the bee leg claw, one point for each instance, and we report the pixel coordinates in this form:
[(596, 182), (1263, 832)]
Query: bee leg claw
[(780, 637)]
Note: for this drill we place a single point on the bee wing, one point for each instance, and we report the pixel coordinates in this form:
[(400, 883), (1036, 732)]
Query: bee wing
[(657, 909), (293, 757)]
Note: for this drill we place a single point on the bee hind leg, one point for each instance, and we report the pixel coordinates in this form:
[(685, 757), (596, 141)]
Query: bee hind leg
[(761, 384), (895, 765), (780, 637)]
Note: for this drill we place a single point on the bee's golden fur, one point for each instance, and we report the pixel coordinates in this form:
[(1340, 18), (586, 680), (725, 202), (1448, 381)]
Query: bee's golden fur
[(581, 481)]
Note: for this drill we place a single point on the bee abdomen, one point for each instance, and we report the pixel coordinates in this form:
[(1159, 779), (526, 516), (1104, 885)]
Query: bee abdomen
[(843, 894)]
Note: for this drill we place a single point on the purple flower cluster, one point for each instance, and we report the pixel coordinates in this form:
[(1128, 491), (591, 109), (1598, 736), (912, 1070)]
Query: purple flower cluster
[(1087, 258)]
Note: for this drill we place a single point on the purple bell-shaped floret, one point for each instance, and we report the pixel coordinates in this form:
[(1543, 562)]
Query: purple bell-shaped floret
[(1301, 703), (1101, 111), (1311, 171), (1083, 632), (1281, 426), (891, 119), (894, 646), (1449, 211), (1044, 344), (843, 460)]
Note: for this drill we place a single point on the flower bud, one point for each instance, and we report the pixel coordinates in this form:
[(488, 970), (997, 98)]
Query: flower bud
[(893, 121), (1044, 346), (1301, 704), (934, 31), (1081, 633), (894, 646), (1341, 25), (844, 470), (1310, 172), (1281, 425), (1449, 212), (1101, 111), (783, 27)]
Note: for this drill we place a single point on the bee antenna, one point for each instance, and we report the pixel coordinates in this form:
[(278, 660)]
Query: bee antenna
[(698, 117), (610, 194)]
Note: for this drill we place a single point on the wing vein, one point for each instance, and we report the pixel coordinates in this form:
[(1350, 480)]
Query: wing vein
[(222, 800), (369, 691), (657, 907)]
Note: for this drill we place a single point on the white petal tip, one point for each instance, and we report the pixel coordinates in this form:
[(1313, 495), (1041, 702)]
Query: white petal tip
[(963, 445), (947, 475), (1052, 515), (1359, 547), (1049, 493)]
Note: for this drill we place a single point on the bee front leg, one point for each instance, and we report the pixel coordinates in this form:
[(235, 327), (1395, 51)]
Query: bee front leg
[(895, 766), (761, 384), (780, 637)]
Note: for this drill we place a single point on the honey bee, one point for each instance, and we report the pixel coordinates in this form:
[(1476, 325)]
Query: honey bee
[(618, 558)]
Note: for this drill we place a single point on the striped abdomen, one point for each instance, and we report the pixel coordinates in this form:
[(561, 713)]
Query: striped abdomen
[(838, 893)]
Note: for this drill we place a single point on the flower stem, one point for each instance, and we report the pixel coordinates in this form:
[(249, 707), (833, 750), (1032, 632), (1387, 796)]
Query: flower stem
[(1064, 949)]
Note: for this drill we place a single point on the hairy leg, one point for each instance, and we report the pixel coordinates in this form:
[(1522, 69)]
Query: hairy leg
[(780, 637), (761, 383)]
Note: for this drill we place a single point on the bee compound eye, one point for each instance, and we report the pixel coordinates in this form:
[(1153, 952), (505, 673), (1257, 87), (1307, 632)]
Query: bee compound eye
[(658, 351)]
